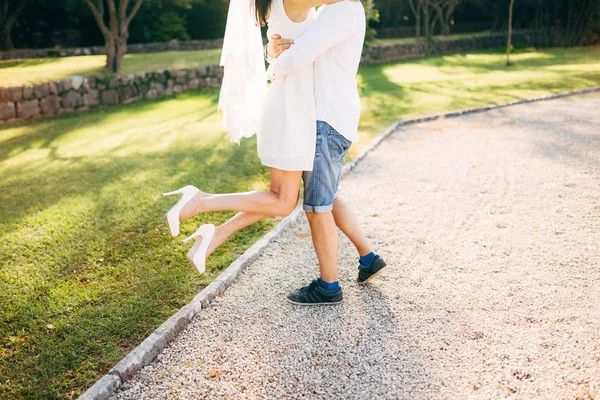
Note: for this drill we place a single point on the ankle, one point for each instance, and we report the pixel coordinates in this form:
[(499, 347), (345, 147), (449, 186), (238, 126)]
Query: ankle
[(367, 259), (329, 286)]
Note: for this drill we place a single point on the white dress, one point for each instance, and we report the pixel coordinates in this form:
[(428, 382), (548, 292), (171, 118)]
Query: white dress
[(287, 126)]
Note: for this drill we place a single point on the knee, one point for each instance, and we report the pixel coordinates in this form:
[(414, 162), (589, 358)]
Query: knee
[(317, 216), (284, 207)]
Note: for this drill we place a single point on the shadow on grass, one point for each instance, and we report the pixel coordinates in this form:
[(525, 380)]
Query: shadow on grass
[(50, 129), (110, 274), (28, 62)]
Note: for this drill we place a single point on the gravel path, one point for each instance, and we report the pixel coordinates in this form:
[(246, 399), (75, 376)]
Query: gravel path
[(491, 226)]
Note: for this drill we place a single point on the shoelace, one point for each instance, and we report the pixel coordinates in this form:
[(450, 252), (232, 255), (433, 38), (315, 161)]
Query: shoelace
[(312, 285)]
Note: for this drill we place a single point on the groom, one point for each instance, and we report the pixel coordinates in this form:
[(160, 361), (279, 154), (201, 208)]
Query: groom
[(334, 44)]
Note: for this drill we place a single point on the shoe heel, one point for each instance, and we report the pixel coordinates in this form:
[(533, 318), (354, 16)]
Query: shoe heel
[(180, 191), (172, 216), (197, 254)]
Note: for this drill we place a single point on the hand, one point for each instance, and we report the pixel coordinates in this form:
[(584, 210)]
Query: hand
[(277, 45)]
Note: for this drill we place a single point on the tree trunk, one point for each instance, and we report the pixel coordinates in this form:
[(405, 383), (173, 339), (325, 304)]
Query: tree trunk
[(5, 40), (509, 42), (111, 51), (121, 50), (117, 31), (417, 13), (427, 19), (8, 17)]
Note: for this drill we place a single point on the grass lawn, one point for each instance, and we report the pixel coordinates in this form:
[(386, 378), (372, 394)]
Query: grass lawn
[(87, 269), (33, 71)]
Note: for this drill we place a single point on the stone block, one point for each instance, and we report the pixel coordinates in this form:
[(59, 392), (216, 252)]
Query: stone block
[(210, 292), (77, 81), (71, 100), (50, 105), (177, 89), (114, 82), (102, 389), (128, 94), (14, 94), (28, 109), (194, 84), (159, 87), (110, 97), (7, 110), (64, 85), (28, 93), (53, 88), (181, 77), (168, 92), (93, 98), (151, 94), (171, 83), (41, 91)]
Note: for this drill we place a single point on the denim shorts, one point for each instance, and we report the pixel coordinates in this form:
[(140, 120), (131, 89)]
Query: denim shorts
[(321, 184)]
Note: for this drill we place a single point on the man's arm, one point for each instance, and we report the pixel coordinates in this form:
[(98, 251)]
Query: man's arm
[(332, 27)]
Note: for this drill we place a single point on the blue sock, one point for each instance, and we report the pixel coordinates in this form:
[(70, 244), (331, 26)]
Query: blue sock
[(329, 287), (366, 260)]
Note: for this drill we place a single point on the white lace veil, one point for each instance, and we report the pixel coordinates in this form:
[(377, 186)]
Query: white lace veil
[(245, 81)]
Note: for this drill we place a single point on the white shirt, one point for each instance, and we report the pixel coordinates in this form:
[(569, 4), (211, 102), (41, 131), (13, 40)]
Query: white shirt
[(334, 44)]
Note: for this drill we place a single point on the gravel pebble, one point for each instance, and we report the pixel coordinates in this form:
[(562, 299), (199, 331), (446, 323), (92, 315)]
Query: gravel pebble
[(490, 224)]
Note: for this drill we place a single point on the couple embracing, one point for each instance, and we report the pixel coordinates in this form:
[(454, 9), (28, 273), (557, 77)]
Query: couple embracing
[(313, 59)]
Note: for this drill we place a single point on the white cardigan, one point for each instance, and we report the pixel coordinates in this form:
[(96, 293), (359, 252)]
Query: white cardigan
[(334, 43)]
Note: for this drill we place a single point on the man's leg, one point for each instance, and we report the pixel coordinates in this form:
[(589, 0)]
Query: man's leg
[(320, 187), (346, 220), (325, 240)]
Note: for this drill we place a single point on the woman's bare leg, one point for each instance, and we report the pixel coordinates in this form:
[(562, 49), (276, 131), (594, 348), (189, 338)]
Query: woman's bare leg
[(244, 219), (267, 203)]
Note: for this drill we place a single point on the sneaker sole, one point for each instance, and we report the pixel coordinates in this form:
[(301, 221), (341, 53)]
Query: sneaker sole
[(371, 277), (316, 304)]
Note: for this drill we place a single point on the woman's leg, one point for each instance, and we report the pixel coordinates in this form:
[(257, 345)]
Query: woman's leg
[(244, 219), (268, 203)]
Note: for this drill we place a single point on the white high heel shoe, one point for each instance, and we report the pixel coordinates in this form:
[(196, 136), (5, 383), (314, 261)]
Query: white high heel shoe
[(197, 254), (172, 216)]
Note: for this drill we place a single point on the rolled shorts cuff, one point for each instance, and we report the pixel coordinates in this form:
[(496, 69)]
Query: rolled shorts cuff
[(317, 209)]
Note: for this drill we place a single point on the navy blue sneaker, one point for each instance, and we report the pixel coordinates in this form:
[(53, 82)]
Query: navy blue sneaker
[(371, 270), (314, 294)]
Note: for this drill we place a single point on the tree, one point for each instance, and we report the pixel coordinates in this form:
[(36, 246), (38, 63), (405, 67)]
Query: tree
[(444, 10), (509, 44), (9, 11), (372, 15), (415, 6), (117, 32)]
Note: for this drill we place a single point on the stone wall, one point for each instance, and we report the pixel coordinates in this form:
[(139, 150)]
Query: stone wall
[(78, 93), (100, 50), (390, 53)]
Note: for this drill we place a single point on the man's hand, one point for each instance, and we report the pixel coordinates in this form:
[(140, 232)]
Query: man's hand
[(277, 45)]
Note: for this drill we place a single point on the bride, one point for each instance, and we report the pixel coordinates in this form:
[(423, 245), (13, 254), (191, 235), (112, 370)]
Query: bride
[(282, 116)]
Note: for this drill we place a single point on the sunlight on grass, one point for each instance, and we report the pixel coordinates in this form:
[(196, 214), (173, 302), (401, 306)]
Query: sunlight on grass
[(84, 248), (33, 71)]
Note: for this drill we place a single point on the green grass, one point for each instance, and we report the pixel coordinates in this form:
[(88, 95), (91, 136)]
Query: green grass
[(87, 269), (33, 71)]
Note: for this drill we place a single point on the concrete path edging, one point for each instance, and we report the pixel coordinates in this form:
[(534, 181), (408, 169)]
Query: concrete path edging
[(148, 350)]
